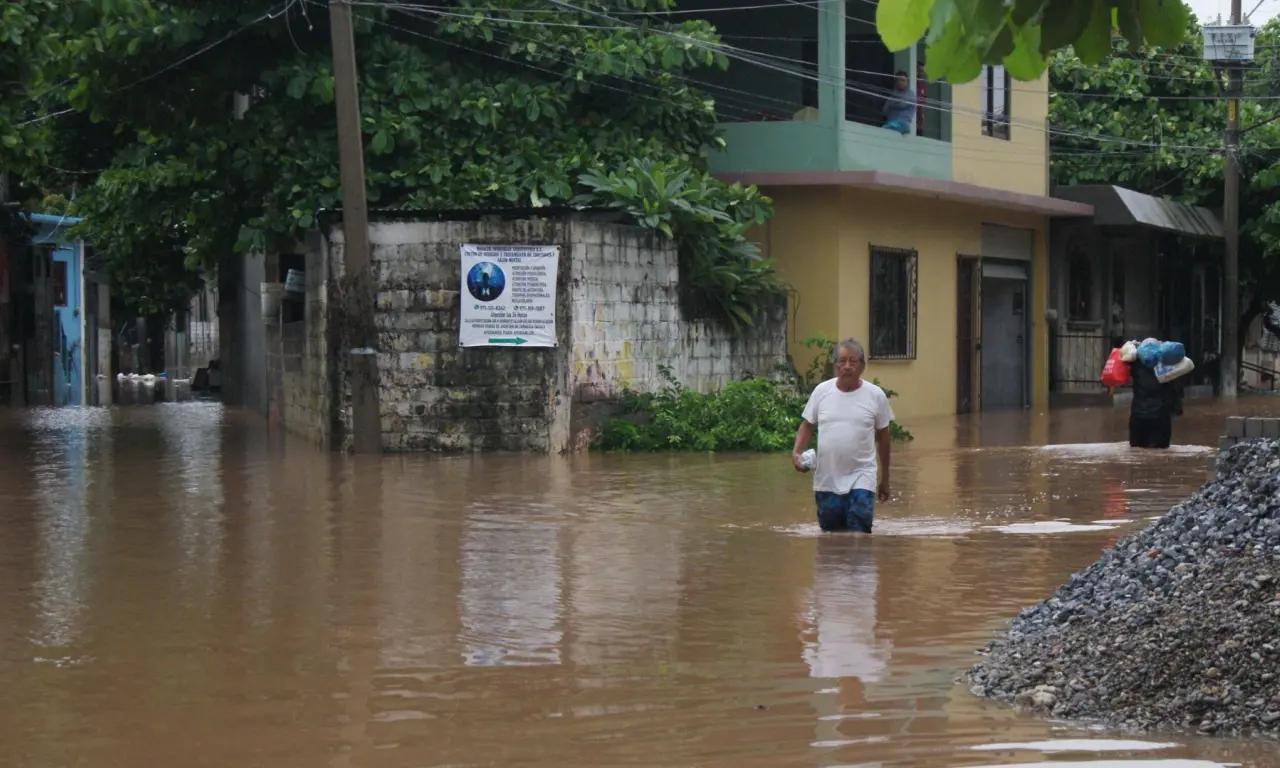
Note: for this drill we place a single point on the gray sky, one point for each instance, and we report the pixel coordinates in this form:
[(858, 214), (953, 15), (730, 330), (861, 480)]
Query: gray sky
[(1208, 10)]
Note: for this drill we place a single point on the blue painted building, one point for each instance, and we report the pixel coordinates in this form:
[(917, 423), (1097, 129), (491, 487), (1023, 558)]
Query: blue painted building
[(68, 299)]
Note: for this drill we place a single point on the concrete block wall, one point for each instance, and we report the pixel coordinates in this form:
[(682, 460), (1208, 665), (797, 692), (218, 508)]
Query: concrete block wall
[(628, 324), (618, 323), (300, 370), (436, 395)]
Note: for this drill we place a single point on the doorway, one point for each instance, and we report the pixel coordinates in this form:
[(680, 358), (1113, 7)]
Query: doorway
[(1003, 340), (966, 302)]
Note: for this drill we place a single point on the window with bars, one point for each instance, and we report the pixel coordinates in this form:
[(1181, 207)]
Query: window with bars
[(893, 304), (996, 101)]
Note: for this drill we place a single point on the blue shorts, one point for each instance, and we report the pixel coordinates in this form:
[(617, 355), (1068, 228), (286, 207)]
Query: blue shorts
[(852, 511)]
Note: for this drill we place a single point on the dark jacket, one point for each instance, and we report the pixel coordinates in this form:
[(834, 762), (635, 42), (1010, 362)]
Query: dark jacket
[(1151, 399)]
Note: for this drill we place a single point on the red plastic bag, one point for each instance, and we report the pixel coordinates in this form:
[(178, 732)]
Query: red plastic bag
[(1116, 372)]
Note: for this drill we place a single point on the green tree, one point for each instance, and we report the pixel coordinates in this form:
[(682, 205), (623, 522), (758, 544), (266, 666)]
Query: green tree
[(36, 37), (470, 108), (962, 35)]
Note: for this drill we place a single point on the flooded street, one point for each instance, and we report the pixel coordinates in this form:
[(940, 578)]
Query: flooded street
[(179, 590)]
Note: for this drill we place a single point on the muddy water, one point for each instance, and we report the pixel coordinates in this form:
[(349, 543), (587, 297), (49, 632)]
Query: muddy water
[(176, 589)]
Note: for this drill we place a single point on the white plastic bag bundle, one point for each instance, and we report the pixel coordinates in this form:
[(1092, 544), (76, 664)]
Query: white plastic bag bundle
[(809, 458), (1129, 352), (1167, 373)]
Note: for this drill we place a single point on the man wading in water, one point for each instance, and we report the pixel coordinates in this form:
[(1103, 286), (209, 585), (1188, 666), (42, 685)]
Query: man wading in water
[(852, 418)]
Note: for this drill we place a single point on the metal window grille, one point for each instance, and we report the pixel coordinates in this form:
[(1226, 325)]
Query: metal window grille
[(997, 101), (894, 279)]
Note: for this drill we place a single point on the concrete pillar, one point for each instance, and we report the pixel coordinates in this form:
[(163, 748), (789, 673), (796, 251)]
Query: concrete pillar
[(831, 74)]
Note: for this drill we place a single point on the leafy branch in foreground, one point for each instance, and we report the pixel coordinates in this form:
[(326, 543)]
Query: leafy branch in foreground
[(963, 35)]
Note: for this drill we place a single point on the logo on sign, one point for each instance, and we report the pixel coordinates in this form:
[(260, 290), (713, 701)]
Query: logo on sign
[(486, 281)]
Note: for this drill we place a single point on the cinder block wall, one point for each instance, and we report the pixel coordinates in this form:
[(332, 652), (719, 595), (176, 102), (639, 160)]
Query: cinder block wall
[(618, 324)]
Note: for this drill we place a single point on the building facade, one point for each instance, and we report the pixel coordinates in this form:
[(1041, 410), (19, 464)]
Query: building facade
[(928, 245), (1141, 266), (79, 327)]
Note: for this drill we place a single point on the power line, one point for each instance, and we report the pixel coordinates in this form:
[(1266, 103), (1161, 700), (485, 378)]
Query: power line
[(888, 140), (818, 78), (200, 52)]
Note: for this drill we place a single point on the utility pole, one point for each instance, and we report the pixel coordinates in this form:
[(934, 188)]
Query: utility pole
[(366, 418), (1231, 223)]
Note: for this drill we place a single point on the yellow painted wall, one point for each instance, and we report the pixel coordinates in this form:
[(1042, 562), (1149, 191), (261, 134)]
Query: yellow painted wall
[(1016, 164), (820, 239), (803, 239)]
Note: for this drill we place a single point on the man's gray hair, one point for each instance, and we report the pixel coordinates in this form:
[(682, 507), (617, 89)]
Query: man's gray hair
[(851, 345)]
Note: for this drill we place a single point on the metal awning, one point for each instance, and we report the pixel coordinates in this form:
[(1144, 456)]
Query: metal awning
[(1119, 207)]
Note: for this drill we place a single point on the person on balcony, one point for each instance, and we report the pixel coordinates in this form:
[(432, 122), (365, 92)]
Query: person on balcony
[(901, 105)]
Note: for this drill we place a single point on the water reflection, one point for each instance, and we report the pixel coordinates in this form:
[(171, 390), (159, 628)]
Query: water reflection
[(840, 621), (215, 597), (512, 586), (61, 488)]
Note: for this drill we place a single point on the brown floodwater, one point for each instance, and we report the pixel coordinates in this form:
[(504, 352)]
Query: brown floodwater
[(178, 589)]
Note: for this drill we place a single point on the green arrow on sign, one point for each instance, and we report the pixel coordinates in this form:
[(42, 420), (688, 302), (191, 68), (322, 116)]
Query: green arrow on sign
[(517, 341)]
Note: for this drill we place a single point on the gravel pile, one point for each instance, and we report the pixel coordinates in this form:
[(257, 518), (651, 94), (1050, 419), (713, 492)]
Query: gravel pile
[(1177, 626)]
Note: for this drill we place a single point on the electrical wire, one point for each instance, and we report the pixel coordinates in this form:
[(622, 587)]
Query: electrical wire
[(199, 52), (1003, 153)]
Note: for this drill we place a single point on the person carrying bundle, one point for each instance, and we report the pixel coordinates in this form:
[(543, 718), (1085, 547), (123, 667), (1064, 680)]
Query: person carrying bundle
[(1155, 403)]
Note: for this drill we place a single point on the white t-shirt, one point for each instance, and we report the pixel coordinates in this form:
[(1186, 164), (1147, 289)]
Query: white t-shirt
[(847, 424)]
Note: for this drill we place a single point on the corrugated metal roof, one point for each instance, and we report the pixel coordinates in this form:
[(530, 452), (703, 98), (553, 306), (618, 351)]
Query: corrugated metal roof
[(1119, 207)]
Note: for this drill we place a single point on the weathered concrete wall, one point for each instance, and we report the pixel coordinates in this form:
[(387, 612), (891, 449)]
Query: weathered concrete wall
[(618, 324), (628, 327), (435, 395), (300, 368), (242, 334)]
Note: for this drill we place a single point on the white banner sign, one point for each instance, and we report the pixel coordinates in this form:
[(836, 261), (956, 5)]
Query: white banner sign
[(508, 296)]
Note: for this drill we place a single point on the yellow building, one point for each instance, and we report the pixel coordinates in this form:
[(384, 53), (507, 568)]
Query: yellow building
[(929, 246)]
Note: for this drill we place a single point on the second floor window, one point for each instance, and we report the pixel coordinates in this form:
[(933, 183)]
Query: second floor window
[(893, 304), (996, 100)]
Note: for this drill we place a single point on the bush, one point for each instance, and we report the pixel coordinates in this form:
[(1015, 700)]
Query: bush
[(754, 414)]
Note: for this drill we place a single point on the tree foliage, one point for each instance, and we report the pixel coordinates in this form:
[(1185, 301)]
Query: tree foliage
[(1164, 106), (470, 108), (963, 35)]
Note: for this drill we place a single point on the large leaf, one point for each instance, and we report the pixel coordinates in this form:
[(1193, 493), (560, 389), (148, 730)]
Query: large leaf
[(941, 56), (1001, 46), (940, 17), (1164, 22), (1026, 62), (902, 23), (1063, 22), (1126, 12), (1026, 10), (1094, 43)]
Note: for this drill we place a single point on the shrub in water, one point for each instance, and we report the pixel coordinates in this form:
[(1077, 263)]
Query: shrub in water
[(754, 414)]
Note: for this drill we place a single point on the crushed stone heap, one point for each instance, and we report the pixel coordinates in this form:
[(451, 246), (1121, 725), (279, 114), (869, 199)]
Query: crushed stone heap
[(1175, 627)]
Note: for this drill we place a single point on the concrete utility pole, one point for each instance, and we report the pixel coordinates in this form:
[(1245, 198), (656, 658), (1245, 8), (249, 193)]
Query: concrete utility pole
[(1231, 223), (366, 419)]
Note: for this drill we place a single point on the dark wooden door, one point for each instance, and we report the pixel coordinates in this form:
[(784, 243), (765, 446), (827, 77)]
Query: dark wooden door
[(966, 285)]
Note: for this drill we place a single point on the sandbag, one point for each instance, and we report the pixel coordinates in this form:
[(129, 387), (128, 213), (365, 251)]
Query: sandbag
[(1168, 373), (1116, 372), (1172, 352), (1129, 351)]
